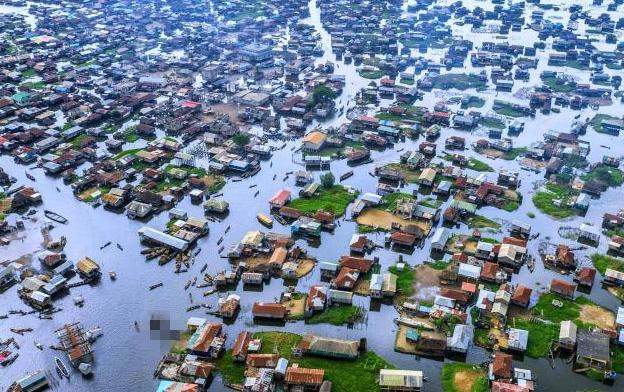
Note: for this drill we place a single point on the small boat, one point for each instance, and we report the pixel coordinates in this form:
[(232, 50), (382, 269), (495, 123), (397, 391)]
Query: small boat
[(60, 368), (30, 176), (155, 286), (55, 217), (79, 300), (105, 245), (112, 275), (119, 247), (346, 175), (265, 220), (38, 345), (20, 331)]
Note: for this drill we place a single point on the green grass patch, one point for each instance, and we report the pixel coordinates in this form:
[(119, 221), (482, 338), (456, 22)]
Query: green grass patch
[(109, 128), (575, 64), (570, 310), (514, 153), (596, 121), (29, 73), (449, 370), (179, 347), (458, 81), (363, 229), (334, 199), (337, 315), (409, 175), (547, 199), (481, 337), (377, 74), (540, 336), (389, 202), (35, 85), (558, 85), (507, 109), (602, 262), (511, 205), (431, 203), (198, 171), (346, 376), (609, 176), (617, 358), (411, 114), (78, 140), (575, 161), (493, 122), (126, 153), (472, 102), (439, 265), (481, 222), (131, 137), (405, 280), (478, 165), (233, 372)]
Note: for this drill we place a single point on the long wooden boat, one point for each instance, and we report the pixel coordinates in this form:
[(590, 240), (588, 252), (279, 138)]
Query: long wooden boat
[(346, 175), (54, 216), (60, 368)]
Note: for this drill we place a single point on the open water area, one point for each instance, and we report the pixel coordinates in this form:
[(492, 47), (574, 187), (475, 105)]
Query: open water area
[(125, 357)]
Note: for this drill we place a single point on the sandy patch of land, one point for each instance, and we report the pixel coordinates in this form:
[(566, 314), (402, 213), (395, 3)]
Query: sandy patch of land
[(462, 243), (532, 163), (426, 283), (257, 261), (598, 316), (304, 267), (465, 379), (401, 344), (499, 338), (380, 219), (492, 153), (85, 195), (228, 109), (5, 204), (296, 307), (209, 180)]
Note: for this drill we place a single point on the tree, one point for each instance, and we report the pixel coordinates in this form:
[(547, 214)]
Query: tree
[(327, 180), (241, 139), (321, 94)]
